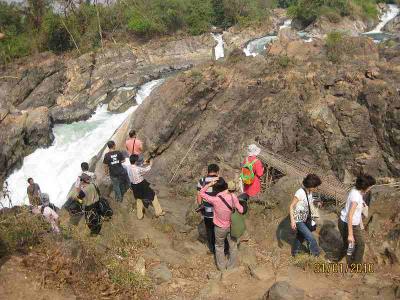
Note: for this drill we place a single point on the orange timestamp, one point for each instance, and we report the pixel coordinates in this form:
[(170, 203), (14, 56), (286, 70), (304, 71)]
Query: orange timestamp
[(330, 268)]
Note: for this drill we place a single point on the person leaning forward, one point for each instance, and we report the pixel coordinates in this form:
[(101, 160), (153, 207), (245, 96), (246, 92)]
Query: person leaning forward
[(223, 203), (141, 189)]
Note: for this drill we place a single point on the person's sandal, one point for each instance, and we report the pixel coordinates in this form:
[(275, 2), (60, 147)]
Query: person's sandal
[(161, 214)]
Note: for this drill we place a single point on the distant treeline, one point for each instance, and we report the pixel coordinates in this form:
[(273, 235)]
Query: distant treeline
[(63, 25)]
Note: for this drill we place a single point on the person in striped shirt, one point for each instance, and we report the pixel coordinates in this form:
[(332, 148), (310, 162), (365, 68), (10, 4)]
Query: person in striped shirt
[(208, 211)]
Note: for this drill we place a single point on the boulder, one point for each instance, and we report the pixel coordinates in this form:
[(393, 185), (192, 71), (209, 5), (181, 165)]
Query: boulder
[(140, 266), (393, 25), (283, 290), (122, 99), (330, 240), (161, 274)]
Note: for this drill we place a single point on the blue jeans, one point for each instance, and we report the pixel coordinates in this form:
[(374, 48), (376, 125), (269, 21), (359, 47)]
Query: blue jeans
[(303, 233)]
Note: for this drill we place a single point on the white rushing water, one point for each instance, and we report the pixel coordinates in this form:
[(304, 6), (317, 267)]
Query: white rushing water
[(258, 46), (57, 167), (219, 49), (286, 24), (390, 14)]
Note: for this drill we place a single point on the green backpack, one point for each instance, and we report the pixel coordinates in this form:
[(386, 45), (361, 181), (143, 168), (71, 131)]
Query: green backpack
[(247, 174), (238, 225)]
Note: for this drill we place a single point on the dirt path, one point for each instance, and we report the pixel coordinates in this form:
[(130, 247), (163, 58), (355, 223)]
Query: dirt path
[(17, 283)]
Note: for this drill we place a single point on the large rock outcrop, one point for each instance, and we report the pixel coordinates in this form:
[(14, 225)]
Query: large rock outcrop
[(343, 117), (70, 89)]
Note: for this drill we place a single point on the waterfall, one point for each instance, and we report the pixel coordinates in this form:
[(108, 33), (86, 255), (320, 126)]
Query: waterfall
[(57, 167), (390, 14), (219, 49), (258, 46)]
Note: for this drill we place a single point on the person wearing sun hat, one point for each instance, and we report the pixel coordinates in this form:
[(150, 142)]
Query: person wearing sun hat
[(252, 170)]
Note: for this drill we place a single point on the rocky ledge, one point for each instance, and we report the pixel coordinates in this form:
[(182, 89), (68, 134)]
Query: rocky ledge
[(47, 89), (341, 117)]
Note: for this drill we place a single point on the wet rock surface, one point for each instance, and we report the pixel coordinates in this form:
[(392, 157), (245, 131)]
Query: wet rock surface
[(72, 88)]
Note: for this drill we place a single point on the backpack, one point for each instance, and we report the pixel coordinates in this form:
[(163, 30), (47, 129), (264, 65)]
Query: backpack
[(238, 225), (247, 174)]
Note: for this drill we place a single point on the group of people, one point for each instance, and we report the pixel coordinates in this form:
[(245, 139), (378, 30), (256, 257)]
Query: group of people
[(350, 221), (218, 201), (216, 198), (40, 205)]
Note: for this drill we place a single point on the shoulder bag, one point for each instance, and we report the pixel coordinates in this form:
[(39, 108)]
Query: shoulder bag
[(238, 226), (310, 223)]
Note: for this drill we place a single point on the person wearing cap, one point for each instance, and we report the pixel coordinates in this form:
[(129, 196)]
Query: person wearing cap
[(253, 189), (223, 204), (85, 170)]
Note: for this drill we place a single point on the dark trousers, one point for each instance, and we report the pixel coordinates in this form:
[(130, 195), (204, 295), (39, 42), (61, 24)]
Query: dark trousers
[(303, 233), (358, 253), (120, 186), (208, 222)]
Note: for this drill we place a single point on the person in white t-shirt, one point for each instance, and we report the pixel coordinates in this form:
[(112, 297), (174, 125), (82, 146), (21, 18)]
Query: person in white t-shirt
[(300, 215), (351, 218)]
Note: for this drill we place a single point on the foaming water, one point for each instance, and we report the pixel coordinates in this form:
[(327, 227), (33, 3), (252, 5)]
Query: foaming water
[(258, 46), (56, 168), (390, 14), (219, 49)]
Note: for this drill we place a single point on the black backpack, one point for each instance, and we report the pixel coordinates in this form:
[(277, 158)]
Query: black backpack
[(102, 206)]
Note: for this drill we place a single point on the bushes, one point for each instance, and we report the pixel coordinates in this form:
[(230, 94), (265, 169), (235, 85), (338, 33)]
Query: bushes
[(334, 43), (307, 11)]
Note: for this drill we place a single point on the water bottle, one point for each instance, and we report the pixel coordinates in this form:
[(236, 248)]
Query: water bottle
[(350, 249)]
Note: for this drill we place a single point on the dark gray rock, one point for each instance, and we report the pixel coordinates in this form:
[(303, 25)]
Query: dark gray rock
[(282, 290), (161, 274)]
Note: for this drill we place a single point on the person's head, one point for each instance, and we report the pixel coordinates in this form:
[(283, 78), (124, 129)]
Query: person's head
[(30, 181), (85, 179), (253, 150), (133, 159), (364, 182), (311, 182), (132, 133), (220, 185), (213, 169), (45, 198), (85, 166), (111, 145), (231, 186)]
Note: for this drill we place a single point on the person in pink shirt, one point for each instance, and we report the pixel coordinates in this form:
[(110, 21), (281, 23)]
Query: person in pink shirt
[(254, 189), (134, 146), (222, 220)]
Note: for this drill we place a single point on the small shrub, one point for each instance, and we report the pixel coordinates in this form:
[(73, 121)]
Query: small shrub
[(334, 46), (19, 230), (306, 261), (284, 61)]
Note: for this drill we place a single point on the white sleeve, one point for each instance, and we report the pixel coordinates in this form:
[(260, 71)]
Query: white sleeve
[(300, 194)]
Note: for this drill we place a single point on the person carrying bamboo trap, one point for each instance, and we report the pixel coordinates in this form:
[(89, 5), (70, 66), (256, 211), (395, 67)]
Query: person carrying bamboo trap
[(251, 171)]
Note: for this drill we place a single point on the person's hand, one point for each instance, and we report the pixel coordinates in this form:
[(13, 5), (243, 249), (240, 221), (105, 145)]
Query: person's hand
[(212, 182), (350, 239), (319, 204), (293, 225)]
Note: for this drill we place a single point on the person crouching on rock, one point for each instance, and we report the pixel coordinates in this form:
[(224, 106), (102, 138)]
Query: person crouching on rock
[(49, 215), (223, 204), (114, 159), (141, 189), (351, 218), (300, 215)]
